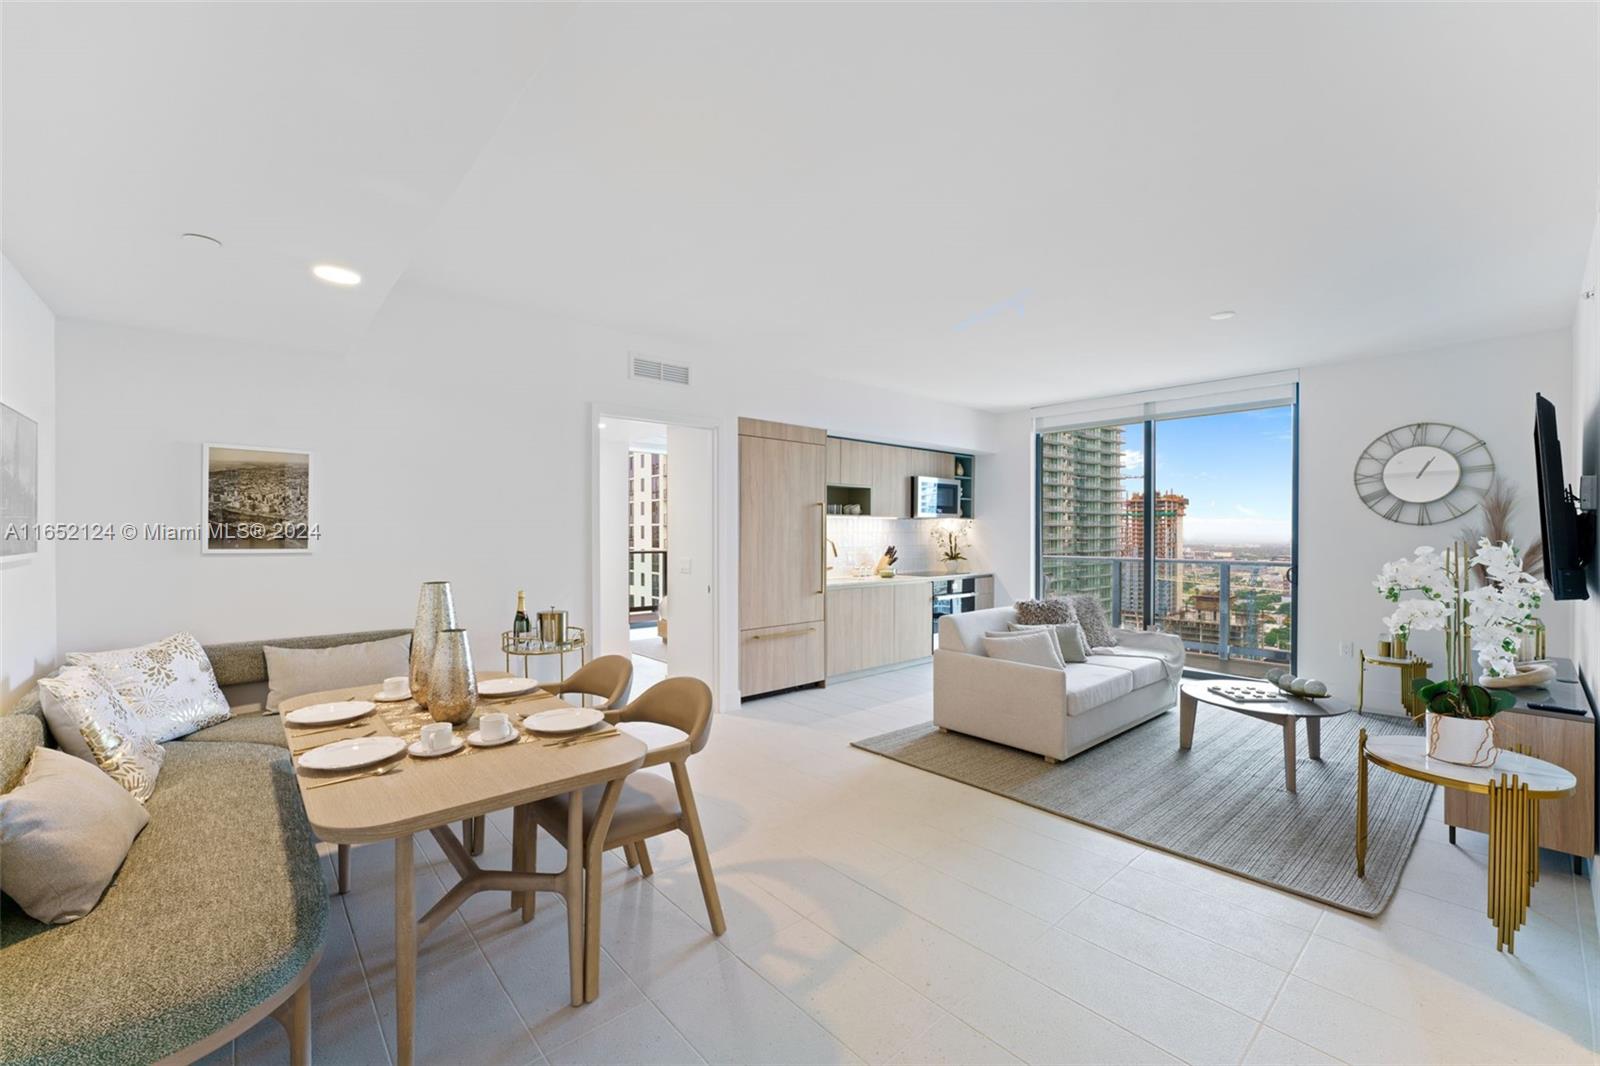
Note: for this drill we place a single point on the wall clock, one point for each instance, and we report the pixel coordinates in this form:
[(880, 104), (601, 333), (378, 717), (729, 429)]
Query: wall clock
[(1424, 473)]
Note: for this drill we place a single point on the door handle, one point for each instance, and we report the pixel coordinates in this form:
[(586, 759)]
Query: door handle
[(822, 552), (785, 633)]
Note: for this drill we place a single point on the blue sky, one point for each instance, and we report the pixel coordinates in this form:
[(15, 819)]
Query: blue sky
[(1236, 469)]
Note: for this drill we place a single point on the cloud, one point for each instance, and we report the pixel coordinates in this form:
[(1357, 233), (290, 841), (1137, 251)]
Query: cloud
[(1251, 511)]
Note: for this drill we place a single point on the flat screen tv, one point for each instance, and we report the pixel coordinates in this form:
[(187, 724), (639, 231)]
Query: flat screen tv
[(1568, 540)]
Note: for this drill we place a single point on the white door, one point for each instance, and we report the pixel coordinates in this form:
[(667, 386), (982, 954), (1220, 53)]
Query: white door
[(691, 540)]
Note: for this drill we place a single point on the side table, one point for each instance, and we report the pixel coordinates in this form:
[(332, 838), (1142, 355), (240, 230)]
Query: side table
[(1411, 668)]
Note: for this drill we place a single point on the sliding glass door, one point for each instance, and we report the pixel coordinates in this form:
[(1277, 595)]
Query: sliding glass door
[(1180, 524)]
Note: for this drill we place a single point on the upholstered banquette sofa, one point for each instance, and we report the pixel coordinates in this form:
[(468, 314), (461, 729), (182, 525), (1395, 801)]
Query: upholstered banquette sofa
[(1049, 711), (215, 920)]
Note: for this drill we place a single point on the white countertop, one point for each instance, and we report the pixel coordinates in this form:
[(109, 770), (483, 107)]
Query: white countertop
[(847, 582)]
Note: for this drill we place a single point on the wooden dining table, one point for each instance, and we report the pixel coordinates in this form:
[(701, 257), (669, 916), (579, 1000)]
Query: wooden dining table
[(429, 794)]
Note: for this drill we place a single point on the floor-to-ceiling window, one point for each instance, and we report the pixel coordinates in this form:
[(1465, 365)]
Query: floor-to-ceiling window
[(1183, 523)]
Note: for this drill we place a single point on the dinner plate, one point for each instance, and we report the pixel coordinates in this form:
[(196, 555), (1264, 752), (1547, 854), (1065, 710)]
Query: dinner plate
[(565, 720), (352, 754), (419, 750), (507, 686), (330, 713), (475, 738), (382, 697)]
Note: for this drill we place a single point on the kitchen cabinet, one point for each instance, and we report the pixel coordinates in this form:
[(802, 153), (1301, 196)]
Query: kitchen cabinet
[(983, 593), (782, 573), (872, 626), (885, 470), (835, 460), (891, 481), (856, 461)]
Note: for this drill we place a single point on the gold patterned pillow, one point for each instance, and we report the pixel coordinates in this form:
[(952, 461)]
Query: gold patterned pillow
[(89, 720), (169, 685)]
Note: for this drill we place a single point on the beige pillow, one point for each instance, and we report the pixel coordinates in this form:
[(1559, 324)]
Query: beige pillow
[(169, 685), (296, 671), (90, 721), (1069, 637), (1036, 647), (64, 831)]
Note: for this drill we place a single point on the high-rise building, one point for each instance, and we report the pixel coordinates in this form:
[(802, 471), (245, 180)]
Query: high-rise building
[(647, 528), (1167, 544), (1080, 508)]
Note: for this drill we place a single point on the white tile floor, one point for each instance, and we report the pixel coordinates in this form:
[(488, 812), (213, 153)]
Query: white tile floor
[(883, 914)]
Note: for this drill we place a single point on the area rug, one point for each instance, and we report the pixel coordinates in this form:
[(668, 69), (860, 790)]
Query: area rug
[(1221, 803)]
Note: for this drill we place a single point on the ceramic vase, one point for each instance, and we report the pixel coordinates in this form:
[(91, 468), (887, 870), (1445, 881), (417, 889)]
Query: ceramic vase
[(1464, 741), (953, 566), (435, 611), (452, 685)]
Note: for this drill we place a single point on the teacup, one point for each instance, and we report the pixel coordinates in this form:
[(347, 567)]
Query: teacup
[(395, 687), (494, 726), (438, 736)]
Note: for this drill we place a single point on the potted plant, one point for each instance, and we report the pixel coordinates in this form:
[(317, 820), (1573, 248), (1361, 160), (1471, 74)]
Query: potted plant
[(1432, 590), (949, 539)]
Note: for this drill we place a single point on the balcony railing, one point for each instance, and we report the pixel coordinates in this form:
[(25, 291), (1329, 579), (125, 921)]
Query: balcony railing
[(1234, 615), (644, 594)]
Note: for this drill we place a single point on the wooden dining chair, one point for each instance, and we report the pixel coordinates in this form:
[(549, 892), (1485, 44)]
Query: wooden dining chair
[(673, 718), (609, 678)]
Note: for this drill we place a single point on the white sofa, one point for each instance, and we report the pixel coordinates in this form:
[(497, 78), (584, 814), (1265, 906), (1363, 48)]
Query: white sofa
[(1036, 708)]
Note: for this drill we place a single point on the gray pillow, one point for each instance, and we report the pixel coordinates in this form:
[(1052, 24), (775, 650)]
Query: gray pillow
[(1069, 636), (1092, 617), (1047, 612), (65, 831), (294, 672), (1035, 647)]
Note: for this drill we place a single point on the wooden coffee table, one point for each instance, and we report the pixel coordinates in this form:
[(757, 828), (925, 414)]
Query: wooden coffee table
[(1283, 714)]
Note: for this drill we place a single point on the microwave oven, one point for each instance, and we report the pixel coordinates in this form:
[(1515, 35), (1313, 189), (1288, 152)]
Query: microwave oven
[(936, 497)]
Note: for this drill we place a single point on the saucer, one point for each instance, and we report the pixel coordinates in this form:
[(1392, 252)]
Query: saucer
[(381, 697), (419, 752), (475, 738)]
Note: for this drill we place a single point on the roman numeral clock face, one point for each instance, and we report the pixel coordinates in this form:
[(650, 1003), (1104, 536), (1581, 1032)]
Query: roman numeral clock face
[(1424, 473)]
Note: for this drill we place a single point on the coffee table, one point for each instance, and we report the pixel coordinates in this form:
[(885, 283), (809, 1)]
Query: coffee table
[(1284, 714)]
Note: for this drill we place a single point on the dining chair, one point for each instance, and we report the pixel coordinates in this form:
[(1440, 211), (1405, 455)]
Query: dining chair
[(610, 677), (673, 718)]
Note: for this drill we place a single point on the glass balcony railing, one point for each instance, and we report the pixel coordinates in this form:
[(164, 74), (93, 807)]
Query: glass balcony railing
[(1235, 616), (647, 580)]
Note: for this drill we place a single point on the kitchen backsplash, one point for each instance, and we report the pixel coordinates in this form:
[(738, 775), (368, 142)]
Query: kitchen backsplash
[(861, 541)]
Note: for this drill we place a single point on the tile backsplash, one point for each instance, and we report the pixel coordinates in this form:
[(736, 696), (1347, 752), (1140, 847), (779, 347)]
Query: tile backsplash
[(861, 541)]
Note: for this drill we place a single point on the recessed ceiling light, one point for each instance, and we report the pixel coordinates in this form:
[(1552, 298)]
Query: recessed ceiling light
[(1222, 316), (336, 275), (199, 239)]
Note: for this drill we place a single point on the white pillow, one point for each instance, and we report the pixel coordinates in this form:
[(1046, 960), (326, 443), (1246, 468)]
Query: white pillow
[(1035, 647), (90, 721), (168, 685), (1069, 637), (294, 672), (65, 831)]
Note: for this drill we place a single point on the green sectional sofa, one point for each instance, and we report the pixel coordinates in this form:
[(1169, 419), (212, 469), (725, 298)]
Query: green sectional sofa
[(216, 919)]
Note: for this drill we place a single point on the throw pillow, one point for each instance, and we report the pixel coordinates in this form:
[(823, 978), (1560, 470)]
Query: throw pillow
[(90, 721), (1048, 612), (168, 685), (65, 831), (296, 671), (1096, 630), (1034, 647), (1069, 636)]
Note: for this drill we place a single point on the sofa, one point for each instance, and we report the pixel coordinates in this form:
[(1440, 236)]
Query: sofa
[(1047, 711), (215, 920)]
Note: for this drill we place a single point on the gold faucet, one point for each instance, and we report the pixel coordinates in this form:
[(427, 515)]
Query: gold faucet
[(834, 547)]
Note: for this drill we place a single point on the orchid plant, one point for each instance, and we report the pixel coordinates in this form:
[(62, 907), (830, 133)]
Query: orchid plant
[(1430, 591), (950, 540)]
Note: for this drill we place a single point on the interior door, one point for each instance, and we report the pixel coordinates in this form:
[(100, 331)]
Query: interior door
[(691, 517)]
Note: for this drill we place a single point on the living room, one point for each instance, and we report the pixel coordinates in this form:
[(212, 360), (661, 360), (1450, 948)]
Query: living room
[(1174, 328)]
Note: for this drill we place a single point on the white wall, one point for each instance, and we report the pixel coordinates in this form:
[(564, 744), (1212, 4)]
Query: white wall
[(452, 443), (28, 583), (692, 540), (1580, 442)]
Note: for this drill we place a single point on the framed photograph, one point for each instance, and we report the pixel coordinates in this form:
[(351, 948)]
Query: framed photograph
[(257, 500), (19, 483)]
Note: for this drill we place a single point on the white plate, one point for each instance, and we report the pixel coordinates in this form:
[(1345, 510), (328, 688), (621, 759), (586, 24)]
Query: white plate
[(352, 754), (475, 738), (567, 720), (507, 686), (420, 751), (330, 713), (382, 698)]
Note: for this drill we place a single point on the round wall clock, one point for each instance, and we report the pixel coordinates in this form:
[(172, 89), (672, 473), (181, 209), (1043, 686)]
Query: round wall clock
[(1424, 473)]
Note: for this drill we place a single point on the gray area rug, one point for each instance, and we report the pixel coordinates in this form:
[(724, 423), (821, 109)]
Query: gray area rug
[(1222, 802)]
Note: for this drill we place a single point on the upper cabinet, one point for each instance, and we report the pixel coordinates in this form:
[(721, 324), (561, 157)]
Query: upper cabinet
[(878, 476)]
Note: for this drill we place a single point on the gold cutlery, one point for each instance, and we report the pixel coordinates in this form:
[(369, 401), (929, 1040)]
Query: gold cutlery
[(298, 732), (569, 741), (392, 768)]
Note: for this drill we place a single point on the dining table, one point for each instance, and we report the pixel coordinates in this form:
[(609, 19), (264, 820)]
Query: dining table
[(427, 794)]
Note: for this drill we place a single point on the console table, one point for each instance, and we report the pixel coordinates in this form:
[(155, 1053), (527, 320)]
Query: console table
[(1566, 739)]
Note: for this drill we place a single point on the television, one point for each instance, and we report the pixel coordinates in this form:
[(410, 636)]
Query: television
[(1568, 535)]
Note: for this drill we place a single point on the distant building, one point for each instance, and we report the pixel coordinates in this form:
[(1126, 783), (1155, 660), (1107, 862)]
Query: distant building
[(1080, 508), (1166, 544), (647, 527)]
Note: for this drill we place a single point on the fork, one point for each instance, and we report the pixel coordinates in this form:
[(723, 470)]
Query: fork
[(392, 768)]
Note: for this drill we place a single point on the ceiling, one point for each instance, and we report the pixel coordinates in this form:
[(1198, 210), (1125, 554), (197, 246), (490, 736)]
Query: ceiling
[(995, 205)]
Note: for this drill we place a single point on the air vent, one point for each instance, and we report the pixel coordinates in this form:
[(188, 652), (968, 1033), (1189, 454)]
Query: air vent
[(646, 369)]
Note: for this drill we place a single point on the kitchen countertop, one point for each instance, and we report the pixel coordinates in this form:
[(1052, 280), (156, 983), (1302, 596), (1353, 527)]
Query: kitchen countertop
[(847, 582)]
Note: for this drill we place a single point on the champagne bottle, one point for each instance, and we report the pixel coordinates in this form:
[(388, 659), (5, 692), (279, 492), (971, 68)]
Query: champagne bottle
[(520, 626)]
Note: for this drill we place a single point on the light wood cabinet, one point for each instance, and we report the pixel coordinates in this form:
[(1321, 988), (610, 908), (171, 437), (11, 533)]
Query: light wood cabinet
[(886, 470), (1564, 824), (855, 463), (983, 593), (891, 484), (913, 621), (835, 461), (782, 573), (871, 626)]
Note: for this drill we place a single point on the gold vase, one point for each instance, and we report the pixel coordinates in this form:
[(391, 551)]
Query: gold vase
[(1398, 646), (435, 611), (452, 685)]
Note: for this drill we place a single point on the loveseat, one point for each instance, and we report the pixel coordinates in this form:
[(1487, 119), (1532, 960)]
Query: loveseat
[(215, 920), (1050, 712)]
